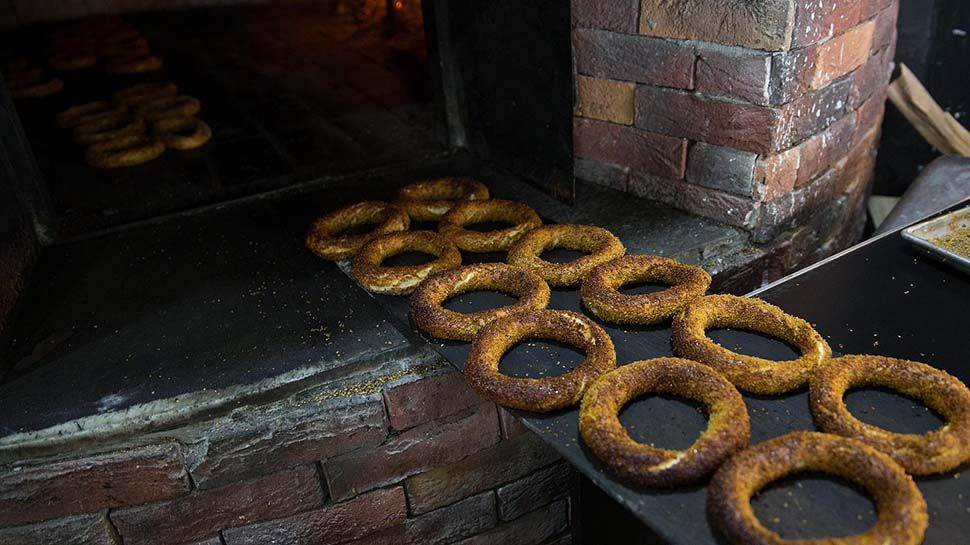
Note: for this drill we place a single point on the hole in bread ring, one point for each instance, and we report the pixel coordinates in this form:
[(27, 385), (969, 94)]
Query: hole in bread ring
[(727, 432), (538, 394), (749, 373), (899, 503), (920, 454), (181, 132), (428, 200), (325, 240), (428, 313), (402, 279), (522, 217), (601, 295), (600, 244), (123, 152)]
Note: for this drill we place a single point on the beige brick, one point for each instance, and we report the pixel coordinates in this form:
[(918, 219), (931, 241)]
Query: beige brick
[(604, 99)]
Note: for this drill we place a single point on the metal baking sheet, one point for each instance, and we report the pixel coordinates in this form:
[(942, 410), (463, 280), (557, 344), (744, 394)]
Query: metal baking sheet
[(924, 236), (864, 302)]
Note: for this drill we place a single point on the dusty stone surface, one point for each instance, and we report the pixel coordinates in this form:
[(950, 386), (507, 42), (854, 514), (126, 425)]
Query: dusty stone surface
[(459, 520), (529, 493), (411, 401), (75, 530), (536, 527), (758, 24)]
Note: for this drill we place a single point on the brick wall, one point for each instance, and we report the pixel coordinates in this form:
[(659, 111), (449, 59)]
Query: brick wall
[(419, 459), (747, 116)]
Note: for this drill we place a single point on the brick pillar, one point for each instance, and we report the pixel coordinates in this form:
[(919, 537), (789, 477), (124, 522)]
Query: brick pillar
[(759, 118)]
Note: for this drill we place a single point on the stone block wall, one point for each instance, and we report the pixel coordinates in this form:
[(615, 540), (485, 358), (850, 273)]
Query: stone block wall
[(747, 112), (413, 459)]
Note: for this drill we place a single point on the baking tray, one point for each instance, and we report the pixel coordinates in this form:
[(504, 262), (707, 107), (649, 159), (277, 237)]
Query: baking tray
[(924, 234)]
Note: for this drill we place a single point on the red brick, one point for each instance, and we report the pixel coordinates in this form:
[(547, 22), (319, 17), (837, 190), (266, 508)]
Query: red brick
[(533, 491), (777, 173), (615, 15), (601, 173), (734, 72), (604, 99), (637, 149), (74, 530), (717, 205), (872, 7), (459, 520), (428, 398), (869, 78), (531, 529), (504, 462), (823, 150), (269, 441), (203, 513), (790, 209), (843, 54), (81, 485), (745, 127), (870, 114), (791, 74), (511, 425), (816, 20), (395, 535), (765, 27), (885, 28), (633, 58), (365, 515), (813, 112), (416, 450)]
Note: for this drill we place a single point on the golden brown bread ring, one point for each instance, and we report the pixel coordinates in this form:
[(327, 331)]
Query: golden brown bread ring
[(162, 107), (38, 90), (899, 503), (88, 134), (85, 113), (134, 64), (430, 316), (600, 244), (538, 394), (404, 279), (181, 132), (428, 200), (322, 238), (523, 218), (748, 373), (123, 152), (938, 451), (600, 291), (142, 93), (728, 429)]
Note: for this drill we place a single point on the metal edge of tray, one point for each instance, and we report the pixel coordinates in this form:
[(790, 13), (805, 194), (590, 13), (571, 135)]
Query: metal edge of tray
[(911, 235)]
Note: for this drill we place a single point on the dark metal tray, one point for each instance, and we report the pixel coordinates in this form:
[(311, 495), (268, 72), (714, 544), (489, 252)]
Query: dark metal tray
[(878, 298)]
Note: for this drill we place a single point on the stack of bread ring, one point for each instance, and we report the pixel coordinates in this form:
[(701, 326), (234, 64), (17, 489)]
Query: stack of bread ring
[(28, 80), (137, 125), (879, 461)]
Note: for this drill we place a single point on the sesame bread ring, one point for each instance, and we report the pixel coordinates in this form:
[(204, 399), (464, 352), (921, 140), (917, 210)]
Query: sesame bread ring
[(748, 373), (123, 152), (601, 294), (727, 432), (86, 135), (938, 451), (134, 64), (181, 132), (428, 200), (403, 279), (324, 240), (84, 113), (601, 244), (538, 394), (141, 93), (162, 107), (899, 504), (452, 224), (429, 314), (38, 90)]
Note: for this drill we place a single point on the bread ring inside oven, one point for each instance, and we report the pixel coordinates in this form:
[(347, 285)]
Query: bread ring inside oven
[(325, 240), (428, 200), (600, 244), (523, 219), (403, 279)]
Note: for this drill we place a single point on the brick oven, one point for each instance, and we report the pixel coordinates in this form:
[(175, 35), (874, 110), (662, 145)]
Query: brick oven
[(178, 369)]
